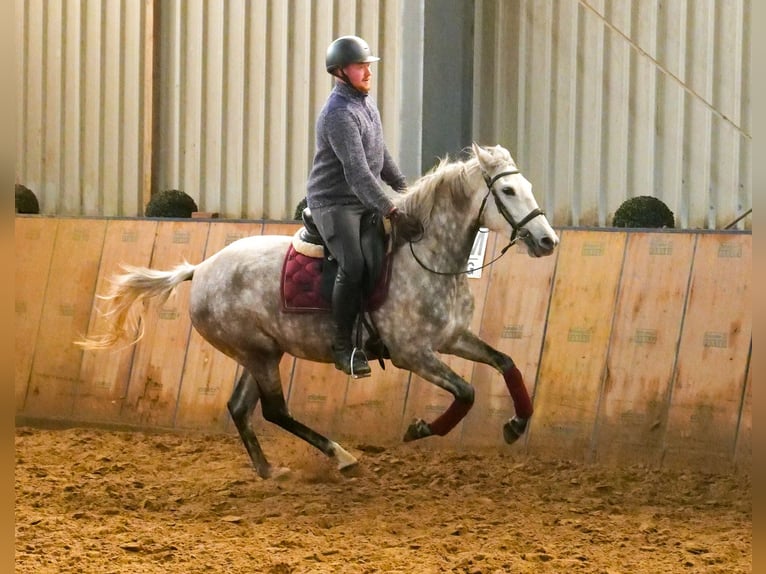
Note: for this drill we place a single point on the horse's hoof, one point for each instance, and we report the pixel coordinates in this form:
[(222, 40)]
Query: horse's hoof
[(418, 429), (513, 429), (280, 473), (345, 459), (273, 473), (349, 470)]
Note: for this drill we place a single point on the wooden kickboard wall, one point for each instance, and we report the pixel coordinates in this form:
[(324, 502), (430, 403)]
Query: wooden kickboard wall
[(54, 379), (104, 376), (634, 406), (572, 364), (635, 345), (37, 236), (713, 354)]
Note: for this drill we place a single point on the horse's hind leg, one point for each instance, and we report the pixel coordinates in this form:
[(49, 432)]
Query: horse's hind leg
[(471, 347), (274, 410), (241, 406)]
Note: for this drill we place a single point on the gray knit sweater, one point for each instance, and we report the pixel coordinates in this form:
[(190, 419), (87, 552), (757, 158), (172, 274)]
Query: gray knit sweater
[(351, 157)]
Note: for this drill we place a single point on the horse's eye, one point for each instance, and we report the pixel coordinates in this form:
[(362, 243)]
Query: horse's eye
[(509, 191)]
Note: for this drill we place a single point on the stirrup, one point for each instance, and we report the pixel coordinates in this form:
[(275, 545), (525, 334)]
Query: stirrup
[(351, 365)]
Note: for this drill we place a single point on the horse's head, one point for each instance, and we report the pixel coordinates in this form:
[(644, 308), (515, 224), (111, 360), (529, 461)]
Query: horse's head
[(509, 202)]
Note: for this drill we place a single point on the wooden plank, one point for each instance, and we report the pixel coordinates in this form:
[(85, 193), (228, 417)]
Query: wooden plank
[(208, 375), (647, 327), (159, 356), (104, 375), (712, 355), (576, 341), (372, 408), (66, 311), (515, 311), (743, 455), (34, 239), (316, 394), (427, 401)]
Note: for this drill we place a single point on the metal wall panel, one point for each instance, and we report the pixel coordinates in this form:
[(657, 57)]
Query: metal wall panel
[(603, 100), (245, 82), (81, 98), (598, 100)]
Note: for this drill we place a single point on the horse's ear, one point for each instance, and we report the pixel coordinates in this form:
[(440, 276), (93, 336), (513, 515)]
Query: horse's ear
[(481, 154)]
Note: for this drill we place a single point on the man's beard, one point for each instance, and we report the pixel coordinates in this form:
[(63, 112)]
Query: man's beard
[(364, 88)]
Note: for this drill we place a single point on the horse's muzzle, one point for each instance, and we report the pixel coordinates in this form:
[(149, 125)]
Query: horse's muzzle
[(541, 247)]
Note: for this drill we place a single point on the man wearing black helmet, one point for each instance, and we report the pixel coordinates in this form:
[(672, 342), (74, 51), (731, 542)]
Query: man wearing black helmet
[(350, 161)]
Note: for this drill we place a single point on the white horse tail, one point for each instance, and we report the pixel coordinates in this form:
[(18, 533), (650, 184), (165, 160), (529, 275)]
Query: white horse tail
[(137, 284)]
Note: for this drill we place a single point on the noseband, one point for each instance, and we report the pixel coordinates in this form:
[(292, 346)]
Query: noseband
[(501, 208), (517, 227)]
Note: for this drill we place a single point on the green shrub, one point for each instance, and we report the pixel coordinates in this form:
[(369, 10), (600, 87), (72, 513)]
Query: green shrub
[(26, 200), (171, 203), (299, 209), (643, 211)]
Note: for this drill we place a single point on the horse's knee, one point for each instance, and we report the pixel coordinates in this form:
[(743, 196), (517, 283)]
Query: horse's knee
[(465, 393)]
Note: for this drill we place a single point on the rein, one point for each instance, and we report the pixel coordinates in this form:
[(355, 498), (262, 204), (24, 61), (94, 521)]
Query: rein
[(517, 227)]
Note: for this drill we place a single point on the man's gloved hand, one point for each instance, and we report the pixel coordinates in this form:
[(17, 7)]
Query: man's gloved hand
[(406, 227)]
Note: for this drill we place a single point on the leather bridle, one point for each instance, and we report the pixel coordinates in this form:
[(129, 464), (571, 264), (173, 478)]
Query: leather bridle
[(501, 208), (517, 227)]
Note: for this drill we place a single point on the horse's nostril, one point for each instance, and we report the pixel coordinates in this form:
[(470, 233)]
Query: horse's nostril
[(547, 243)]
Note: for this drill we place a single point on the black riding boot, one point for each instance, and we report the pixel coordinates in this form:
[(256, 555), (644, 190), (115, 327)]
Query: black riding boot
[(346, 302)]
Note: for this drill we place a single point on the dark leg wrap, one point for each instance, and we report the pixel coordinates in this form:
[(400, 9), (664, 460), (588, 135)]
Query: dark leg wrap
[(447, 420), (521, 401)]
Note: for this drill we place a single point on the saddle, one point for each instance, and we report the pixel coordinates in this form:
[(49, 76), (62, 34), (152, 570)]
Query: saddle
[(308, 272), (308, 276)]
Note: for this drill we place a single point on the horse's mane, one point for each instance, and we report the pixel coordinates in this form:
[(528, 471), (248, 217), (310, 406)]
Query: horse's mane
[(447, 179)]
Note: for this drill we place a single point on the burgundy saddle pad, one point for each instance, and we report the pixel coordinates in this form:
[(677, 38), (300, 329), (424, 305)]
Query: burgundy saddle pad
[(301, 283)]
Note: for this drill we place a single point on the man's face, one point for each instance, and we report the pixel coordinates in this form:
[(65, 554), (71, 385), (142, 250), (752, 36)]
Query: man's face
[(359, 76)]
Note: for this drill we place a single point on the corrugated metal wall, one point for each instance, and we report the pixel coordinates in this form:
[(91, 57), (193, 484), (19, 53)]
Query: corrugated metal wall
[(242, 84), (82, 109), (597, 100), (604, 100)]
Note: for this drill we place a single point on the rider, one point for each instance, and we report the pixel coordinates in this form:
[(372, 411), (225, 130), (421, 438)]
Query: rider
[(344, 184)]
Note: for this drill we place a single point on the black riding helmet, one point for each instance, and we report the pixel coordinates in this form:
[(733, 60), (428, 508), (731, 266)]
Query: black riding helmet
[(347, 50)]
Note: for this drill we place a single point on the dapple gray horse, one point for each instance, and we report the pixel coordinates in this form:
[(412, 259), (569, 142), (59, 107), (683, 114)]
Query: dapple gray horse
[(235, 302)]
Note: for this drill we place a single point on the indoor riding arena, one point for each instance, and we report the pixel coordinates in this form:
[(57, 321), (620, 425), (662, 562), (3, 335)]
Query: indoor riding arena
[(637, 458)]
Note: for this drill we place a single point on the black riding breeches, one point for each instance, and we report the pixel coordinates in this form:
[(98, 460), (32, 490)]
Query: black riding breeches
[(341, 229)]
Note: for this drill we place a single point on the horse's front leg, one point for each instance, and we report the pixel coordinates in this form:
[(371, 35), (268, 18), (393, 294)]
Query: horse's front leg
[(471, 347), (432, 369)]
